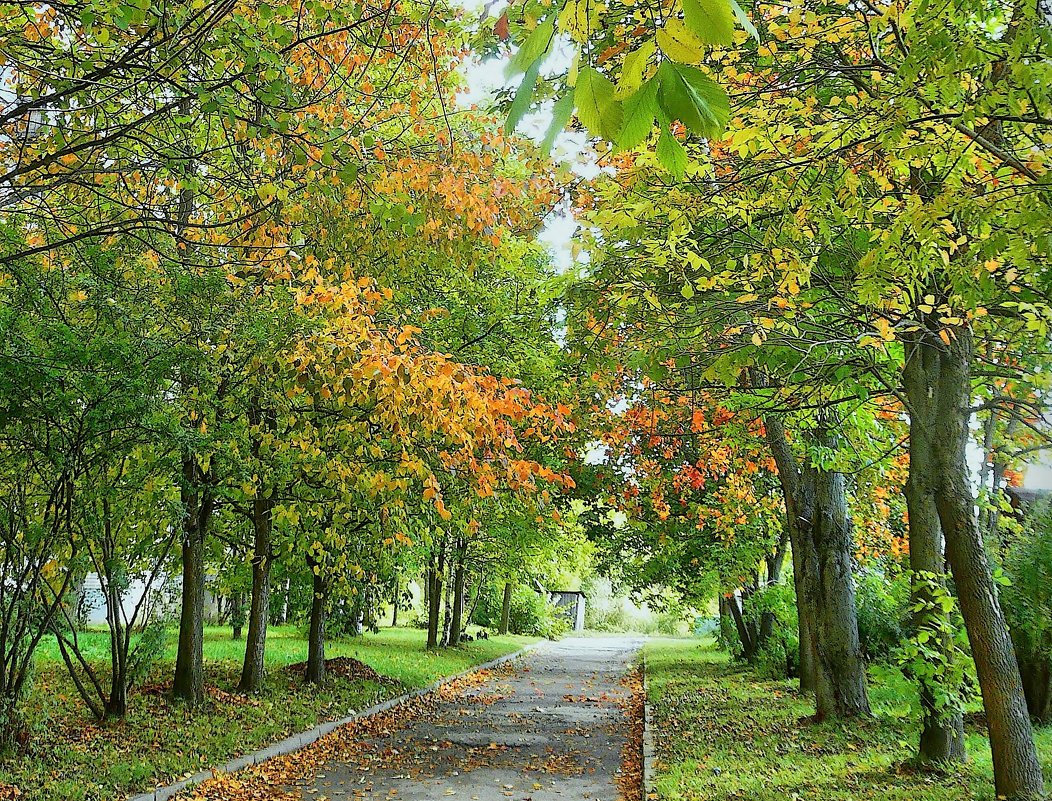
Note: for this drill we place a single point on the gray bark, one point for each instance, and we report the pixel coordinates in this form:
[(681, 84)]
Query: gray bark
[(946, 367)]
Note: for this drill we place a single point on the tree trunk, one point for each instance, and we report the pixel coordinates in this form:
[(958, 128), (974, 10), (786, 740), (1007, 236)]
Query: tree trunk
[(841, 689), (434, 598), (315, 673), (286, 601), (189, 684), (505, 608), (117, 700), (823, 548), (456, 622), (237, 614), (259, 609), (774, 575), (745, 635), (470, 614), (942, 730), (447, 614), (789, 479), (394, 611), (947, 367)]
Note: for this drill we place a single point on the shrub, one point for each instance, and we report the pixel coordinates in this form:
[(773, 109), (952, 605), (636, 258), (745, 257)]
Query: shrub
[(1027, 600), (778, 657), (531, 613), (882, 602)]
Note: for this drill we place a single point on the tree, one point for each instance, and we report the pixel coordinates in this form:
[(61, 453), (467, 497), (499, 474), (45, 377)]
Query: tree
[(826, 168)]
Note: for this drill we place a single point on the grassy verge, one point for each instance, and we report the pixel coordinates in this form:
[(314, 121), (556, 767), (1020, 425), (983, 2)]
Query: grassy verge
[(73, 758), (725, 733)]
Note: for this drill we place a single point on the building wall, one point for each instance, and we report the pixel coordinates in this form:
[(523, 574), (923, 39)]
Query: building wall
[(164, 600)]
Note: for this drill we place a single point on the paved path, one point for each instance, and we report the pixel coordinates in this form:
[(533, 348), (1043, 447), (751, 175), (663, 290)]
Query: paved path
[(550, 727)]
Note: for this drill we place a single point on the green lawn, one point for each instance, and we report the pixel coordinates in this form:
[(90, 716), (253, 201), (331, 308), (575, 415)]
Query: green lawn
[(724, 733), (73, 758)]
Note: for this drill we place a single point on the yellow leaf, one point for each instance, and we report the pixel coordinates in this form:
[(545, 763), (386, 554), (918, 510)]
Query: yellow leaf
[(884, 329), (679, 43)]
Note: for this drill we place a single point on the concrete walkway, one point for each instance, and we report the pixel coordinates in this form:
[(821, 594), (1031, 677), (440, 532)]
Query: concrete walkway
[(550, 727)]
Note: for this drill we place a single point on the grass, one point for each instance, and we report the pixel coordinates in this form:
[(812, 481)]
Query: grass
[(725, 733), (73, 758)]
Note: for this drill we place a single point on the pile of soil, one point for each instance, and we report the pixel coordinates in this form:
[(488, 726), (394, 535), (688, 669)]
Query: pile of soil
[(345, 667)]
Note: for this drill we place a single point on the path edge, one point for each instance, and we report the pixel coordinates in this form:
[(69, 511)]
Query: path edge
[(649, 758), (297, 741)]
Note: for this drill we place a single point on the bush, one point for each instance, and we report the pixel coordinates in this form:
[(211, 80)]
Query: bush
[(1027, 601), (779, 657), (531, 613), (882, 603)]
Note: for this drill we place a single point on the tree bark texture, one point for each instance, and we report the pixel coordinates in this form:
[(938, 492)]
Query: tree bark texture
[(189, 684), (946, 368), (942, 732), (315, 673)]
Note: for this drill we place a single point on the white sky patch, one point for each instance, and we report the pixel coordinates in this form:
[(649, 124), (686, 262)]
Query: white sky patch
[(484, 79)]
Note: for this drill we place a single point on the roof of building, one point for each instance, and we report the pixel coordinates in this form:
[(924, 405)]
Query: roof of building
[(1024, 496)]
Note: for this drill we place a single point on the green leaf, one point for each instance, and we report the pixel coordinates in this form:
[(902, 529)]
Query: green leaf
[(632, 69), (520, 104), (639, 112), (561, 113), (533, 48), (596, 108), (688, 95), (712, 21), (744, 21), (671, 154)]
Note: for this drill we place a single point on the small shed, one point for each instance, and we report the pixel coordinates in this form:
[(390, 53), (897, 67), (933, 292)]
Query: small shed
[(571, 604), (1023, 498)]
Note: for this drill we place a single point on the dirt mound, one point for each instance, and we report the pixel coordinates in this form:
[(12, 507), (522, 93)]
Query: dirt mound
[(345, 667)]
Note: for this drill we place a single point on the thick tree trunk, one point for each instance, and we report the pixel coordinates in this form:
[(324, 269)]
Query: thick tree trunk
[(456, 622), (789, 479), (315, 673), (189, 662), (947, 366), (805, 629), (505, 608), (259, 608), (841, 689), (189, 684), (942, 731)]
